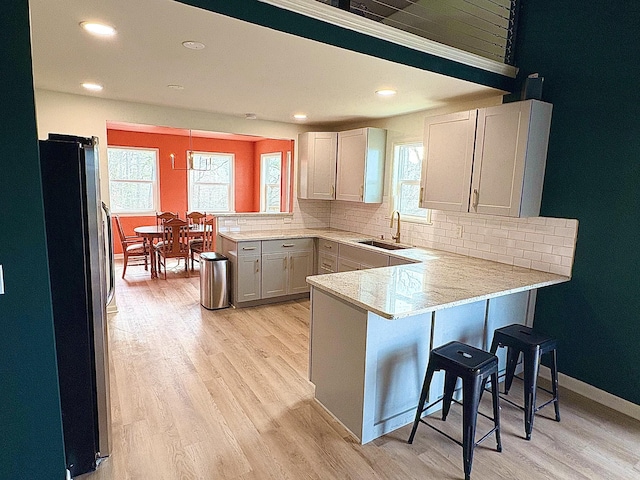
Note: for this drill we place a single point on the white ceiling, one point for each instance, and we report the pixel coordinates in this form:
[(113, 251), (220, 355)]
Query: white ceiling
[(244, 68)]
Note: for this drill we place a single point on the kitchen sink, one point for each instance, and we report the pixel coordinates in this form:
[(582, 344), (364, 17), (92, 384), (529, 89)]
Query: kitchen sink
[(386, 246)]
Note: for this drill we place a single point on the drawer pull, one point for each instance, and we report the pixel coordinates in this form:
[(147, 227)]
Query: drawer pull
[(326, 245), (257, 265), (326, 266), (286, 245), (248, 248)]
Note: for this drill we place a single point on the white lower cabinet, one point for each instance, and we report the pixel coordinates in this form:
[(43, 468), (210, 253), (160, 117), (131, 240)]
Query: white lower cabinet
[(248, 285), (285, 266)]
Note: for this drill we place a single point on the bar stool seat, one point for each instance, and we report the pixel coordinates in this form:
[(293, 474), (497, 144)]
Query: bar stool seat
[(473, 366), (518, 338)]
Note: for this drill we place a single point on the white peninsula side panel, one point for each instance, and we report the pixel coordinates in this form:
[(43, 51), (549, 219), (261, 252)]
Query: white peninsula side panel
[(368, 371)]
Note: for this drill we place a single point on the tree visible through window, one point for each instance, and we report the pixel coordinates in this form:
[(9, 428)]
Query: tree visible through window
[(211, 182), (270, 181), (132, 179), (408, 163)]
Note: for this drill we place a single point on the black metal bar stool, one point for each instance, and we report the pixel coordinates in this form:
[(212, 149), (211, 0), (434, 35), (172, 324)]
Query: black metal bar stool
[(474, 367), (518, 338)]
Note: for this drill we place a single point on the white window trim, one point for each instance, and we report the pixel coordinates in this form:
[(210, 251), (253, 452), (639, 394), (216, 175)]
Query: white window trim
[(393, 203), (155, 182), (232, 188), (282, 173)]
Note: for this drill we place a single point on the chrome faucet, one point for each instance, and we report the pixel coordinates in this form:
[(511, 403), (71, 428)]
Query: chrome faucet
[(396, 237)]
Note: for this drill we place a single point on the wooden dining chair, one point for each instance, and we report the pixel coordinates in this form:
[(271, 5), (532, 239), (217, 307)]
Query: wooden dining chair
[(196, 218), (162, 217), (133, 247), (204, 243), (174, 244)]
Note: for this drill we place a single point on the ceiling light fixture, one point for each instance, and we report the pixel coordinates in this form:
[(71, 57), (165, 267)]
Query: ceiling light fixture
[(386, 92), (193, 45), (250, 116), (300, 116), (94, 87), (175, 86), (98, 29)]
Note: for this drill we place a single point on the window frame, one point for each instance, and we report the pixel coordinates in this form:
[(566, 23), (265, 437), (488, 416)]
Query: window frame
[(155, 183), (263, 185), (396, 183), (231, 184)]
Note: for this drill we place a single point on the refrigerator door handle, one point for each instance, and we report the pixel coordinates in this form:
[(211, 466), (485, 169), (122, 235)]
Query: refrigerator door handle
[(112, 277)]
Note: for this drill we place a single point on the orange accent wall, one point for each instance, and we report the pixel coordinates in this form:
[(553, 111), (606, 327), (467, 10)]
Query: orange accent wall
[(173, 185)]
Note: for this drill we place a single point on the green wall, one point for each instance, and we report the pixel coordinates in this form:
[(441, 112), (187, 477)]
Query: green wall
[(31, 445), (589, 55)]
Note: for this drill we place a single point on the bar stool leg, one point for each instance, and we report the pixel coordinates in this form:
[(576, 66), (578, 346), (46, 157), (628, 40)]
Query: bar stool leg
[(554, 382), (423, 397), (531, 367), (496, 408), (512, 361), (449, 387), (471, 397)]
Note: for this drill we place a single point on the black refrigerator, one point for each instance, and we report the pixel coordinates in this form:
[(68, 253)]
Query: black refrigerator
[(80, 260)]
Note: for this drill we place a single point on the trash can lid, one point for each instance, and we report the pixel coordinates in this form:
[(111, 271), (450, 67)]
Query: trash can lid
[(212, 256)]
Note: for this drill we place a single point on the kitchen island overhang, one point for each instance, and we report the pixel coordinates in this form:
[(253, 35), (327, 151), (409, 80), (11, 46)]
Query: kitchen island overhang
[(371, 330)]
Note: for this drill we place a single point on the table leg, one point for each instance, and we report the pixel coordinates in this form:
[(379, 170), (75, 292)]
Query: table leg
[(152, 259)]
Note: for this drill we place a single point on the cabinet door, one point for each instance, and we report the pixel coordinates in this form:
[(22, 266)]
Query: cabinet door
[(448, 159), (274, 274), (300, 267), (498, 169), (317, 165), (352, 147), (248, 281)]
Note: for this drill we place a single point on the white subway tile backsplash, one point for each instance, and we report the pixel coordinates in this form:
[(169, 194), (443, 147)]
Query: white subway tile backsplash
[(539, 243)]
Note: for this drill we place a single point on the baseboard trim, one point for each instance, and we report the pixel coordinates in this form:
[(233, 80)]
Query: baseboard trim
[(589, 391)]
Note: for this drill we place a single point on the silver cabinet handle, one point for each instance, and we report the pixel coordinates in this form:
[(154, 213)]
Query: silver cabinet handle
[(257, 265), (327, 245), (284, 263), (333, 191), (286, 245), (248, 248), (421, 196), (326, 266), (361, 192)]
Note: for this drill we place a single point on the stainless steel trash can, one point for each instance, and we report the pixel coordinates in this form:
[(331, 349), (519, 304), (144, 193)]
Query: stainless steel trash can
[(214, 280)]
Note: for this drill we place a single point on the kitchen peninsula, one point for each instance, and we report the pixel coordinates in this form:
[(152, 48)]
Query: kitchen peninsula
[(371, 329)]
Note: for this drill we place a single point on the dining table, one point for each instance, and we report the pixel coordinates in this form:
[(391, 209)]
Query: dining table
[(150, 233)]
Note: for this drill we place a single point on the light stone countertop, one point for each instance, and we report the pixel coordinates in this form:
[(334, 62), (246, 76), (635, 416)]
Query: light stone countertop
[(440, 279)]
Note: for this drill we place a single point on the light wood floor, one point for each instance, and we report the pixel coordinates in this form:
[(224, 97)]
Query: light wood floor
[(223, 394)]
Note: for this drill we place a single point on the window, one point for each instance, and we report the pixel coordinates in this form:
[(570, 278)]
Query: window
[(211, 182), (270, 182), (407, 159), (133, 184)]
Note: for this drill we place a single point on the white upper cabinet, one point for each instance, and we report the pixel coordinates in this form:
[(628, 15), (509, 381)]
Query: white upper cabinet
[(360, 165), (317, 165), (448, 158), (489, 160)]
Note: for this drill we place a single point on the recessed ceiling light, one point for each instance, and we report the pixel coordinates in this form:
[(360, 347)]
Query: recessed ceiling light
[(98, 29), (94, 87), (250, 116), (387, 92), (192, 45), (175, 86), (300, 116)]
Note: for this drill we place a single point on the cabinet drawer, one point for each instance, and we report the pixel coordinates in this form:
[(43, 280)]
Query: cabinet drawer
[(249, 248), (327, 263), (327, 246), (287, 245), (363, 256)]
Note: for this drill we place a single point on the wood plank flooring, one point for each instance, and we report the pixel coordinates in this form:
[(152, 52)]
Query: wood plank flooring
[(223, 394)]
